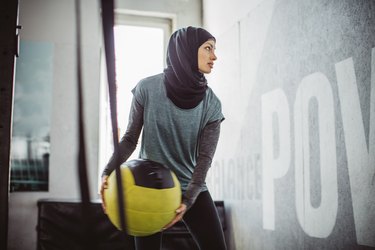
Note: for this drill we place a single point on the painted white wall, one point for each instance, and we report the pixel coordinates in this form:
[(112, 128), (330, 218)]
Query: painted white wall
[(220, 16), (185, 12), (54, 21), (295, 160), (235, 174)]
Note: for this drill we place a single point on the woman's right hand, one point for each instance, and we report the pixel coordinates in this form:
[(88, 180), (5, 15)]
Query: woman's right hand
[(103, 186), (180, 211)]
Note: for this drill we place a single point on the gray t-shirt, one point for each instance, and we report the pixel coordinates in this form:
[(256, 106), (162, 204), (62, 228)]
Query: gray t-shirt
[(171, 135)]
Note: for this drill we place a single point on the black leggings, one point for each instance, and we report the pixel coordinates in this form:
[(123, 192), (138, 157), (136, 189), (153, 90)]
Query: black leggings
[(203, 222)]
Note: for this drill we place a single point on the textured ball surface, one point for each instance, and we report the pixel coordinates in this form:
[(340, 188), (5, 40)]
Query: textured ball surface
[(152, 194)]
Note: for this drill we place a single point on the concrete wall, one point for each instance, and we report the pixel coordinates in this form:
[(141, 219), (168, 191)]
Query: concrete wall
[(54, 22), (295, 162)]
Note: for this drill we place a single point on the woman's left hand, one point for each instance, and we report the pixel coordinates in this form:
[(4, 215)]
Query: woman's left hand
[(180, 211)]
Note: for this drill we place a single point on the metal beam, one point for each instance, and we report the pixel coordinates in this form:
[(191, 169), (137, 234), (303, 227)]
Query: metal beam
[(8, 50)]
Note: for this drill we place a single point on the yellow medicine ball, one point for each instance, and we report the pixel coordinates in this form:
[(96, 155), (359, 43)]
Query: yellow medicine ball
[(152, 194)]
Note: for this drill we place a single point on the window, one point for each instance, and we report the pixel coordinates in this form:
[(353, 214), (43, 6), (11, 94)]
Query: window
[(140, 44), (139, 53)]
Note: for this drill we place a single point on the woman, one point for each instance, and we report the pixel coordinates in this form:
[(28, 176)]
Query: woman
[(180, 116)]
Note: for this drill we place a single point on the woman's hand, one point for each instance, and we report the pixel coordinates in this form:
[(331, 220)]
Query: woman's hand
[(180, 211), (102, 187)]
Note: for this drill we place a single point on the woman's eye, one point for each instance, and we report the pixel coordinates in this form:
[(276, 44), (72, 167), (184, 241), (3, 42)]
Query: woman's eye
[(208, 48)]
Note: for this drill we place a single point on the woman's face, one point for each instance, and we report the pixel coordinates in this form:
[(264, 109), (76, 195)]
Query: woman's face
[(206, 56)]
